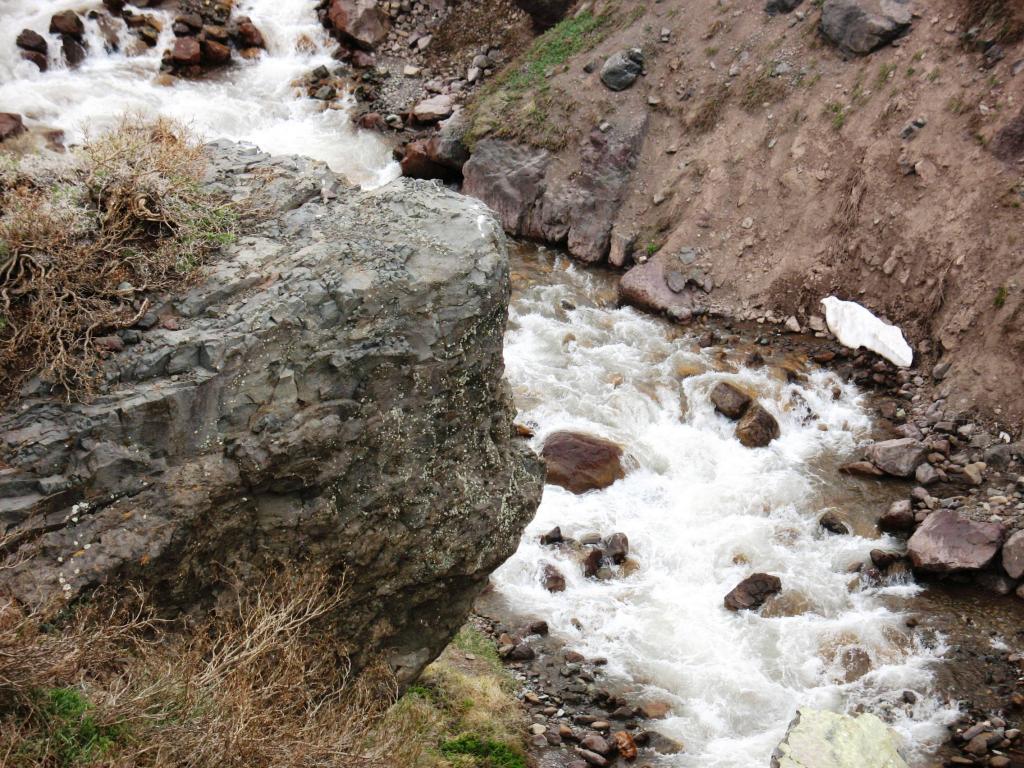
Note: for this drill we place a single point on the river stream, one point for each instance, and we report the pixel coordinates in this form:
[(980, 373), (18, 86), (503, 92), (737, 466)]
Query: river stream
[(701, 511)]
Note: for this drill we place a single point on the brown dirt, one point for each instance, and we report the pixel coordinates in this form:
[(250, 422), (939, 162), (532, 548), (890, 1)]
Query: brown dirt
[(806, 192)]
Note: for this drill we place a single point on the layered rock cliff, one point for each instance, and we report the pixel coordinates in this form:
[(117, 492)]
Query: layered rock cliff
[(330, 395)]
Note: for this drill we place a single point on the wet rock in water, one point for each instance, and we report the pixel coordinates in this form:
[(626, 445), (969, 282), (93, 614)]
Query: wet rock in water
[(883, 558), (553, 579), (358, 22), (29, 40), (215, 54), (899, 518), (186, 51), (861, 468), (730, 400), (246, 436), (11, 125), (862, 26), (72, 50), (616, 547), (752, 592), (595, 743), (67, 23), (655, 710), (39, 59), (757, 428), (625, 745), (554, 536), (947, 542), (591, 562), (582, 463), (622, 69), (833, 523), (1013, 555), (591, 758), (247, 35), (819, 739), (899, 457)]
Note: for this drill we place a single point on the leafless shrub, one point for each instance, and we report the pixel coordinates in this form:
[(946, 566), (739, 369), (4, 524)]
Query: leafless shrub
[(82, 245)]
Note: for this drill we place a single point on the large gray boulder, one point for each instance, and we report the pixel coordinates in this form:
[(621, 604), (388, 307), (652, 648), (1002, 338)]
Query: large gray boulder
[(621, 69), (947, 542), (862, 26), (821, 739), (330, 395), (899, 457)]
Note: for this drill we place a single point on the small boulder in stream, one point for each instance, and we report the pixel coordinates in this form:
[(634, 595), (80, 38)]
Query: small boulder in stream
[(752, 592), (899, 457), (757, 428), (582, 463), (820, 739), (729, 400)]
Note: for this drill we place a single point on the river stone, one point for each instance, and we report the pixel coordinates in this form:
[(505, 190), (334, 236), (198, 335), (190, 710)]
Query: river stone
[(1013, 555), (581, 463), (552, 578), (820, 739), (862, 26), (339, 404), (757, 428), (433, 109), (616, 547), (11, 125), (30, 40), (899, 457), (621, 69), (947, 542), (67, 23), (358, 22), (729, 400), (898, 518), (753, 591)]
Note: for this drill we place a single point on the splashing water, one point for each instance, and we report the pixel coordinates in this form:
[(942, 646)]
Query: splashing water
[(251, 101), (702, 512)]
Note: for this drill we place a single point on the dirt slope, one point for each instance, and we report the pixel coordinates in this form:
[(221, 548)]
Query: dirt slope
[(797, 172)]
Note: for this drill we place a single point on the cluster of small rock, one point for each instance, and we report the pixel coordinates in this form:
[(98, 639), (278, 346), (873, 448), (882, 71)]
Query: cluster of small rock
[(205, 35), (986, 743), (575, 719), (596, 554)]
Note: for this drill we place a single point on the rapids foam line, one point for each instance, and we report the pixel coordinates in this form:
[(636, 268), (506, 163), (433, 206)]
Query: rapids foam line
[(249, 101)]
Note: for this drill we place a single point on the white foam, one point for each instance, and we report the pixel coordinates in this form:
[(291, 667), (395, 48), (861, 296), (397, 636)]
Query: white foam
[(251, 101), (702, 512)]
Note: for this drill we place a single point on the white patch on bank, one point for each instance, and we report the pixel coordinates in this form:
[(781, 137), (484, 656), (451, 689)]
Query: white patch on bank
[(855, 326)]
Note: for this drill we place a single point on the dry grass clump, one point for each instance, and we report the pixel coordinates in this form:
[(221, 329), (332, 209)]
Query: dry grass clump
[(1000, 21), (708, 113), (82, 245), (265, 685)]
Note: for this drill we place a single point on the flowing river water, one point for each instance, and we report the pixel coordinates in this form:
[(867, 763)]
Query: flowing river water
[(701, 511)]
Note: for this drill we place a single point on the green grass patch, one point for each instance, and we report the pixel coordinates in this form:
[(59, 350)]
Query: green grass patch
[(837, 114), (68, 733), (472, 640), (486, 752), (1001, 295)]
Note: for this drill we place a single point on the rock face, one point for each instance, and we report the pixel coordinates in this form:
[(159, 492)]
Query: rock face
[(752, 592), (522, 186), (331, 395), (862, 26), (757, 428), (581, 463), (898, 518), (819, 739), (622, 69), (899, 457), (948, 542)]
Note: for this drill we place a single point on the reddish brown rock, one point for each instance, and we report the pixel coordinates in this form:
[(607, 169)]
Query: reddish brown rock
[(418, 163), (757, 428), (215, 54), (359, 22), (753, 591), (73, 51), (553, 579), (730, 400), (591, 561), (625, 745), (582, 463), (11, 125), (948, 542), (373, 121), (67, 23), (186, 51), (39, 59), (247, 35), (862, 468), (898, 518), (28, 40), (616, 547)]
